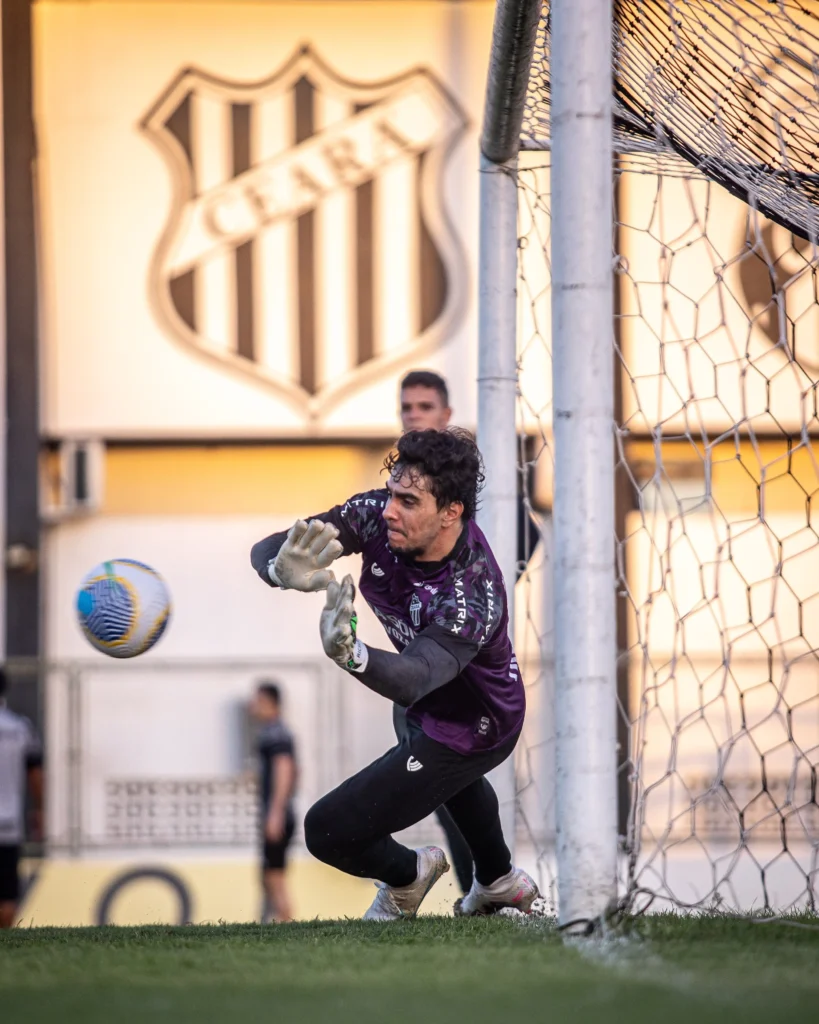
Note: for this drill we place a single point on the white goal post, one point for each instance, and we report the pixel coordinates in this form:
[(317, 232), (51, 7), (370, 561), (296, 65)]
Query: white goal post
[(583, 576), (513, 44), (583, 417)]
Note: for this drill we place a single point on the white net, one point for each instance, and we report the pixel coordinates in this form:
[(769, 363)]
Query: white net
[(717, 362)]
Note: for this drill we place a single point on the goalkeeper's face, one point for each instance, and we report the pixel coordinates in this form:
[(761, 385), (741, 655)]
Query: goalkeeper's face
[(416, 527)]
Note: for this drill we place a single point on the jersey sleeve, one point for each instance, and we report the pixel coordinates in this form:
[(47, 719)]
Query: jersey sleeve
[(355, 520), (280, 742), (465, 615)]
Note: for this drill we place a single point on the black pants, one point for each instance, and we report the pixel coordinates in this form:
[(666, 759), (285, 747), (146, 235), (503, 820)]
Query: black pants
[(274, 854), (9, 874), (351, 827), (459, 851)]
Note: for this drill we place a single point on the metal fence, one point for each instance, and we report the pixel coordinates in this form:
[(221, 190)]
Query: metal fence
[(151, 753)]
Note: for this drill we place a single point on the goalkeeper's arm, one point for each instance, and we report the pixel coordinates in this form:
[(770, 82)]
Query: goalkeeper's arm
[(423, 666)]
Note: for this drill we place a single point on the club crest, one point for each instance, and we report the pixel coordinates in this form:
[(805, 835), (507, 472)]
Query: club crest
[(307, 243)]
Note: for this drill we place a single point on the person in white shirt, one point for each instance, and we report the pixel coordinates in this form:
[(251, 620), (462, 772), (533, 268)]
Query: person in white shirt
[(21, 766)]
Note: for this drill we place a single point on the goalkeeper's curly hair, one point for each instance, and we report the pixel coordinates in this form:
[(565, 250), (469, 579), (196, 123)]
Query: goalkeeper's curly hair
[(449, 459)]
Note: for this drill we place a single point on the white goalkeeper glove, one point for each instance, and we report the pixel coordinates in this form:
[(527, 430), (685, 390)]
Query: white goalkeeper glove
[(338, 625), (302, 561)]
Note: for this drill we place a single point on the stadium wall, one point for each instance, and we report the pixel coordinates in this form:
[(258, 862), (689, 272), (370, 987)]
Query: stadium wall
[(155, 328), (230, 374)]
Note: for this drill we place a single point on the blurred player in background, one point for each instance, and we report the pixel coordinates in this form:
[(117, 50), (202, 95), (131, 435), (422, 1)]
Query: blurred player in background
[(277, 785), (424, 400), (21, 761), (429, 575)]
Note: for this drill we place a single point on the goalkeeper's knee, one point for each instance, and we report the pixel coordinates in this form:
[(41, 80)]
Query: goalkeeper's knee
[(320, 833)]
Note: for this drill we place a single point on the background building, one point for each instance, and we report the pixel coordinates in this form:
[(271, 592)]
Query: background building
[(250, 220)]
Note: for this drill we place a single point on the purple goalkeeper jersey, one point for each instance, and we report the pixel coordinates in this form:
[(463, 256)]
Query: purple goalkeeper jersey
[(459, 602)]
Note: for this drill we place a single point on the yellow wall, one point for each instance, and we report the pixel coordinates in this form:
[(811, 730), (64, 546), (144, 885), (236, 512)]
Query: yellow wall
[(745, 476), (235, 481), (290, 479), (69, 892)]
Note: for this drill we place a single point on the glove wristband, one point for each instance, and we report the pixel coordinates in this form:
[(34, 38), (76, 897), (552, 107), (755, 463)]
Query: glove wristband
[(358, 660), (271, 572)]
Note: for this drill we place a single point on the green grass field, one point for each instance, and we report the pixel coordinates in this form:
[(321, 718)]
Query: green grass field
[(429, 970)]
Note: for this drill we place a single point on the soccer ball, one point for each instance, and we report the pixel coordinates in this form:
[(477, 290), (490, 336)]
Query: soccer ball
[(123, 607)]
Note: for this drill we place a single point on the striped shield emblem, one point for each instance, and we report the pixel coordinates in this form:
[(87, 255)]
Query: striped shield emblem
[(307, 244)]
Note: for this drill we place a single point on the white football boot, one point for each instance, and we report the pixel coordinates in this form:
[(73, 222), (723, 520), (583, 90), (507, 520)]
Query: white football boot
[(516, 890), (393, 902)]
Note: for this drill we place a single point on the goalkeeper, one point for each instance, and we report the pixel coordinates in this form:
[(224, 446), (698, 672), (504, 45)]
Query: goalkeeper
[(431, 579)]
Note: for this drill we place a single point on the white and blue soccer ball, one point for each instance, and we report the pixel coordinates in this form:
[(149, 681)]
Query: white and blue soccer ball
[(124, 607)]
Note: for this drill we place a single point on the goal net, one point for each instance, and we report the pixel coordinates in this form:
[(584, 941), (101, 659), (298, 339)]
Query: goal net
[(716, 447)]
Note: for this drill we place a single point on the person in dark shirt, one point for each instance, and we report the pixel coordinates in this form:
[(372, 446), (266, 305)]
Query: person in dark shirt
[(424, 402), (430, 577), (277, 783)]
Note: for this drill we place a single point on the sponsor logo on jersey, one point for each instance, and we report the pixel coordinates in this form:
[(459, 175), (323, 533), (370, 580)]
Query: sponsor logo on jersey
[(396, 628), (365, 502), (375, 570), (413, 765), (460, 605), (490, 610)]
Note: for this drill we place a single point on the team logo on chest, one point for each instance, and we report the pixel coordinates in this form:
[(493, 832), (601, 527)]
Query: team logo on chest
[(415, 607), (307, 244)]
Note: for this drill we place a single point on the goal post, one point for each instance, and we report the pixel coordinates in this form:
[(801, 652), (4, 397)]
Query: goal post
[(513, 43), (583, 540), (583, 419)]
